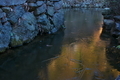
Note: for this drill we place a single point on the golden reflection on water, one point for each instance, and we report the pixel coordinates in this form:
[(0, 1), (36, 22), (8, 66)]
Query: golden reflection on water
[(83, 59)]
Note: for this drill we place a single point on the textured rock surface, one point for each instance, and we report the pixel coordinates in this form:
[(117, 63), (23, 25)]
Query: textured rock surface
[(22, 20), (25, 31)]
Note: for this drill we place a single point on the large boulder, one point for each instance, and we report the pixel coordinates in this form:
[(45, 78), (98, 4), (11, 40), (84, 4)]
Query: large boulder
[(11, 2), (25, 31), (5, 33)]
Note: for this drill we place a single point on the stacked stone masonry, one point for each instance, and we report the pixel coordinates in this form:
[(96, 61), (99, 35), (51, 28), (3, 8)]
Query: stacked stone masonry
[(22, 20)]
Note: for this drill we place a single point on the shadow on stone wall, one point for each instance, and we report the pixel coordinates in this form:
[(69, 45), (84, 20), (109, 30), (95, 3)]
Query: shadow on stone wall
[(25, 63)]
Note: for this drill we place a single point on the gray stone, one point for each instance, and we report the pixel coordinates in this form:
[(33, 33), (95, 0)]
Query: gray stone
[(45, 23), (25, 31), (108, 24), (117, 18), (14, 16), (42, 19), (32, 5), (11, 2), (39, 3), (40, 10), (58, 5), (58, 19), (3, 20), (49, 3), (50, 10), (7, 9), (5, 31), (2, 14), (106, 11)]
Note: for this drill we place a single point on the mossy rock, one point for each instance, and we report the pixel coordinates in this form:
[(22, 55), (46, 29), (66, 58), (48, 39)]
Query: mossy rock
[(15, 43), (2, 50)]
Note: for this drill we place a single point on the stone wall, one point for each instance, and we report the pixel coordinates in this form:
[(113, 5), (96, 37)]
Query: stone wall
[(22, 20)]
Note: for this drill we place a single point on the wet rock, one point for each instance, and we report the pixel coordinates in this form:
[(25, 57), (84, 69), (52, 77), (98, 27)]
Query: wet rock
[(50, 10), (7, 9), (25, 31), (108, 16), (45, 23), (116, 30), (11, 2), (108, 24), (117, 18), (5, 31), (14, 16), (39, 3), (106, 11), (40, 10), (58, 5)]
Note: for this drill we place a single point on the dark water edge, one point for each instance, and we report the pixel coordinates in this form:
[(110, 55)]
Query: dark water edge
[(77, 53)]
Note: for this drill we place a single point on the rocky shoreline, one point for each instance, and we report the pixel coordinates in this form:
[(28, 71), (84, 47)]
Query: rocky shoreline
[(22, 20), (111, 25)]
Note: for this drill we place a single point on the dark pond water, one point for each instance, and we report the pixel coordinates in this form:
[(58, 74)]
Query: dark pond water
[(77, 53)]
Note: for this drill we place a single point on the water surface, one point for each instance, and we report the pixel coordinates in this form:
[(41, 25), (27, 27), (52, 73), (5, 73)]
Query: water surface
[(76, 53)]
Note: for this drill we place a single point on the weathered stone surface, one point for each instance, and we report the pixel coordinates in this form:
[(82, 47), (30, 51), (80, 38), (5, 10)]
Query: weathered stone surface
[(14, 16), (5, 33), (40, 10), (108, 24), (50, 10), (58, 5), (40, 3), (11, 2), (25, 31)]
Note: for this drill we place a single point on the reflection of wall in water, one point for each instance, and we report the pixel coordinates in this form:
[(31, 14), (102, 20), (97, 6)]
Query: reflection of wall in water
[(26, 62)]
